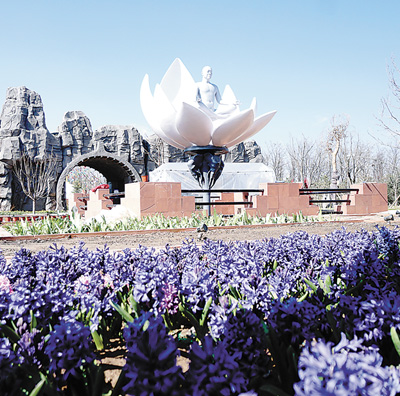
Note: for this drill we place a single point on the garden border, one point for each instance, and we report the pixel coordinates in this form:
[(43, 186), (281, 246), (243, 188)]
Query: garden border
[(139, 232)]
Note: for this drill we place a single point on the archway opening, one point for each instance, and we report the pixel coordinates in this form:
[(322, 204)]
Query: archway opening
[(116, 171), (82, 179)]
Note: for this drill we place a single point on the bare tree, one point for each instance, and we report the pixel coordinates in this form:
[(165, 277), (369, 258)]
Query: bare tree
[(35, 176), (319, 167), (390, 120), (336, 134), (305, 160), (355, 160), (275, 157), (392, 174)]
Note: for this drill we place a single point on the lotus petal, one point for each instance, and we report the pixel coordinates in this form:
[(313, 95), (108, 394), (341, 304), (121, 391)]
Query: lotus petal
[(178, 84), (194, 125), (166, 114), (259, 123), (232, 127), (253, 105), (162, 104), (169, 129), (228, 96), (147, 103), (148, 108), (228, 105), (170, 83)]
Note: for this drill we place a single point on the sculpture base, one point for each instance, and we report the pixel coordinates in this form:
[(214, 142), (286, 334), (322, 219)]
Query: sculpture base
[(206, 167), (215, 150)]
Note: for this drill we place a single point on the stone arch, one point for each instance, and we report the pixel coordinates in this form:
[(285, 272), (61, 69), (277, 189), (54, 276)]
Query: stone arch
[(115, 169)]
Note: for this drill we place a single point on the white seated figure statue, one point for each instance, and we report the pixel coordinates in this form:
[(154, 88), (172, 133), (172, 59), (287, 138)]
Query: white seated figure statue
[(186, 113), (208, 95)]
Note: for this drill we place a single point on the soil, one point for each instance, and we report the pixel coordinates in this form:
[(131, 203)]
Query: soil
[(159, 238)]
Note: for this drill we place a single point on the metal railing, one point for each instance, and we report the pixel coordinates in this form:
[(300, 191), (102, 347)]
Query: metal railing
[(330, 192), (210, 203), (239, 190), (309, 191)]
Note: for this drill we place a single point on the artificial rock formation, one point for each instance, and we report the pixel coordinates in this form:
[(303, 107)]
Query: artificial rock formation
[(248, 151), (75, 135), (23, 131), (161, 152), (125, 141), (23, 128)]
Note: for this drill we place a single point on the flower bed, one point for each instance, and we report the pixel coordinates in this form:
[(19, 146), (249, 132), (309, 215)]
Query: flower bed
[(67, 225), (300, 314)]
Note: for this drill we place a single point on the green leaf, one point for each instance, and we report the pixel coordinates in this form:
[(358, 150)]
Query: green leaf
[(328, 284), (128, 317), (10, 333), (309, 283), (395, 339), (235, 293), (98, 340), (167, 321), (205, 311), (134, 305), (356, 287), (192, 319), (303, 297), (38, 386)]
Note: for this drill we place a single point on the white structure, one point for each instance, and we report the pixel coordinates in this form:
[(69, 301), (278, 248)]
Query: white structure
[(235, 175), (181, 111)]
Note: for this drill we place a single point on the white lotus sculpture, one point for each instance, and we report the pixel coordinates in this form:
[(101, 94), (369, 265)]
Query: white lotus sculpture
[(178, 117)]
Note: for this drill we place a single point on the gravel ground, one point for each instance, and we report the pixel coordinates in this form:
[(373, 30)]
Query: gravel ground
[(160, 238)]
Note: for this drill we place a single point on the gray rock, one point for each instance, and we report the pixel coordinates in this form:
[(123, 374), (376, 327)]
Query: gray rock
[(75, 134), (161, 152), (252, 152), (248, 151), (125, 141), (5, 187), (23, 128), (23, 132), (23, 109), (10, 149), (236, 154)]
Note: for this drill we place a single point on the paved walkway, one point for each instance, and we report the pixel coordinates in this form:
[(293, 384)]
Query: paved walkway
[(4, 233)]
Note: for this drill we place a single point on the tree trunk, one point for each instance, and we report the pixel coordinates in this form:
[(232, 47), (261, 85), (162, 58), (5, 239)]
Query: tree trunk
[(335, 173)]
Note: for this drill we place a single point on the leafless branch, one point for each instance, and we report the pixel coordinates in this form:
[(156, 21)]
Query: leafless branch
[(389, 120), (35, 175)]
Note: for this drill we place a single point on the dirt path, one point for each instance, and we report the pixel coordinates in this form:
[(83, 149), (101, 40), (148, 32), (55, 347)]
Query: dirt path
[(159, 239)]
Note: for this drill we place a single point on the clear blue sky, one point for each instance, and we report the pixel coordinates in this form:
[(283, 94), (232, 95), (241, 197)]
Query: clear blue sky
[(309, 60)]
